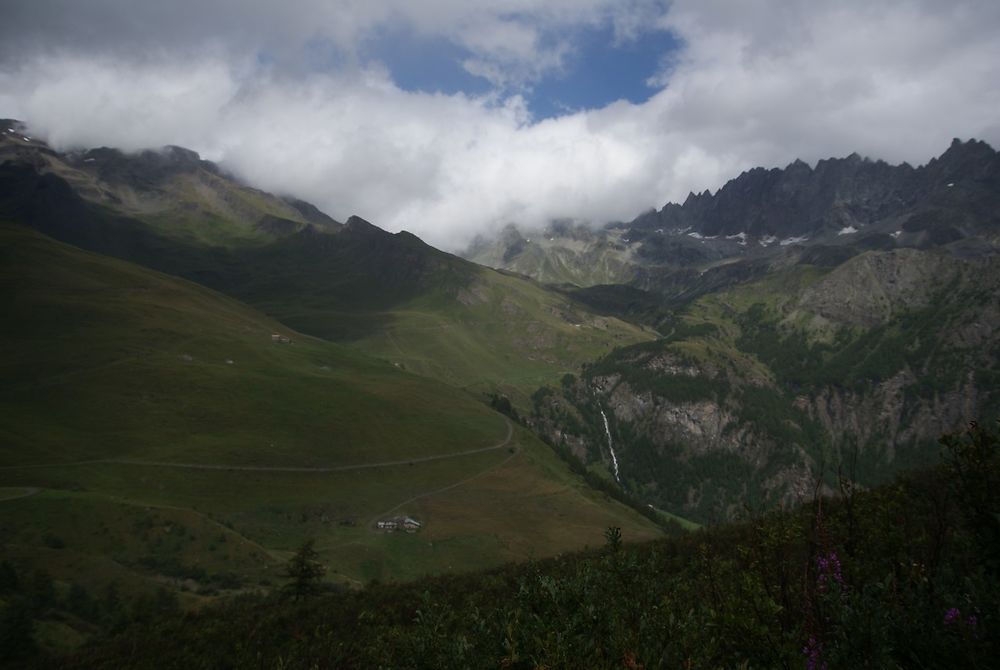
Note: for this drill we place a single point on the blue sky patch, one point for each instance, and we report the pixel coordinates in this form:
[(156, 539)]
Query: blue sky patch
[(421, 64), (597, 72), (600, 72)]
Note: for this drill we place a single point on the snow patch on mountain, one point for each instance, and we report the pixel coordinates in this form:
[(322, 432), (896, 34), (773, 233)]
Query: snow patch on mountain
[(793, 240)]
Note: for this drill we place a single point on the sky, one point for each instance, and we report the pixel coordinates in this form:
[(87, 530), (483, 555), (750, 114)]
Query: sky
[(452, 118)]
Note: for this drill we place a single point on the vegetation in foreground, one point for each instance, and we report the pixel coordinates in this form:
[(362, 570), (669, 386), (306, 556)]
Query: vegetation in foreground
[(902, 576)]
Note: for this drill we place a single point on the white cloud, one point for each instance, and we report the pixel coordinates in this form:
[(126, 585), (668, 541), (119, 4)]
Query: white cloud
[(757, 84), (507, 35)]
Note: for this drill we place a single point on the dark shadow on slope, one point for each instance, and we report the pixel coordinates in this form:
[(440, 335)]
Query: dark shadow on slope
[(331, 285)]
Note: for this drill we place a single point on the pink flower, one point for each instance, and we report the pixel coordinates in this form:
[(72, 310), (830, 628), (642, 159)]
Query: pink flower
[(829, 571), (814, 655)]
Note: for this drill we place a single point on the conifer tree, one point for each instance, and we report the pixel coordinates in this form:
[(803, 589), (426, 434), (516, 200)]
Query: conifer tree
[(304, 571)]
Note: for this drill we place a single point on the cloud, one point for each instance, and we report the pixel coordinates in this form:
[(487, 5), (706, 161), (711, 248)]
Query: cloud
[(759, 83), (518, 37), (892, 79)]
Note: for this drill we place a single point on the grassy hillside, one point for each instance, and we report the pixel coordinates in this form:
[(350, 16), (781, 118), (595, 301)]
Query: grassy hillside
[(384, 294), (174, 370), (180, 196), (904, 576), (152, 433), (499, 332)]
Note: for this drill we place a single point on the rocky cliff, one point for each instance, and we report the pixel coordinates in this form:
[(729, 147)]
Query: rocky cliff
[(762, 392)]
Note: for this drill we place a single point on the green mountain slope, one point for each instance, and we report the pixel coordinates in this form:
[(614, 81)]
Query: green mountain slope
[(152, 432), (498, 332), (563, 253), (758, 390), (425, 310), (391, 295), (179, 195)]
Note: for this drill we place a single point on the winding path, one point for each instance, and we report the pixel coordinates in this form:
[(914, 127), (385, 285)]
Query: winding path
[(276, 468), (496, 466), (26, 491)]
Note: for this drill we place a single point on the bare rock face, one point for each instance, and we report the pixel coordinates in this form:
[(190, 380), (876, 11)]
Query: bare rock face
[(871, 288), (701, 424), (839, 193), (910, 350), (883, 422), (825, 213), (848, 310)]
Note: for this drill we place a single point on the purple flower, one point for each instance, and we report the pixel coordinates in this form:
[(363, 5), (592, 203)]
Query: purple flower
[(953, 615), (829, 571), (972, 621), (814, 655)]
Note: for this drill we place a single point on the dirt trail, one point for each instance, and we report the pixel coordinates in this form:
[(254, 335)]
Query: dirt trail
[(26, 491), (371, 523), (275, 468)]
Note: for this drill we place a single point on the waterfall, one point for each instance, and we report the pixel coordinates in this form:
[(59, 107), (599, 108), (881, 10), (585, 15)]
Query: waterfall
[(611, 448)]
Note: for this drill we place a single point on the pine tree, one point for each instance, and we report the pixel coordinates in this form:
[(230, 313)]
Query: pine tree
[(304, 571)]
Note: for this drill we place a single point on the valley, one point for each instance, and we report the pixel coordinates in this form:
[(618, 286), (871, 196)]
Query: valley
[(815, 324), (199, 377), (499, 335), (165, 439)]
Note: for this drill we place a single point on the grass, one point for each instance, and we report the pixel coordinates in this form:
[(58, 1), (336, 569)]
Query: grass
[(502, 333), (99, 347), (15, 492), (582, 263), (900, 576), (191, 206), (479, 510), (106, 361), (388, 295)]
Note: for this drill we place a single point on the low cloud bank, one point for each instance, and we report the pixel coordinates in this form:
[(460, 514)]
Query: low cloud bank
[(895, 82)]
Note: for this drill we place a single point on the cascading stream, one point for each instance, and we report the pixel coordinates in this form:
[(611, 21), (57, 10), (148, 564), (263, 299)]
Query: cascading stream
[(611, 447)]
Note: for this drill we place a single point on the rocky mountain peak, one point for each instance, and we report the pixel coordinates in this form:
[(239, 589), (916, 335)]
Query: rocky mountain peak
[(973, 159), (798, 201), (798, 166), (356, 224), (510, 234), (367, 232), (145, 168)]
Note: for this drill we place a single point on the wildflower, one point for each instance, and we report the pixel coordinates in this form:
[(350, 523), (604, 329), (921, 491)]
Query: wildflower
[(953, 615), (829, 571), (814, 655)]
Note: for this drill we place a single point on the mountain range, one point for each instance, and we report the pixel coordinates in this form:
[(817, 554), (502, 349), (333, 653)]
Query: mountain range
[(828, 319), (199, 375), (839, 208)]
